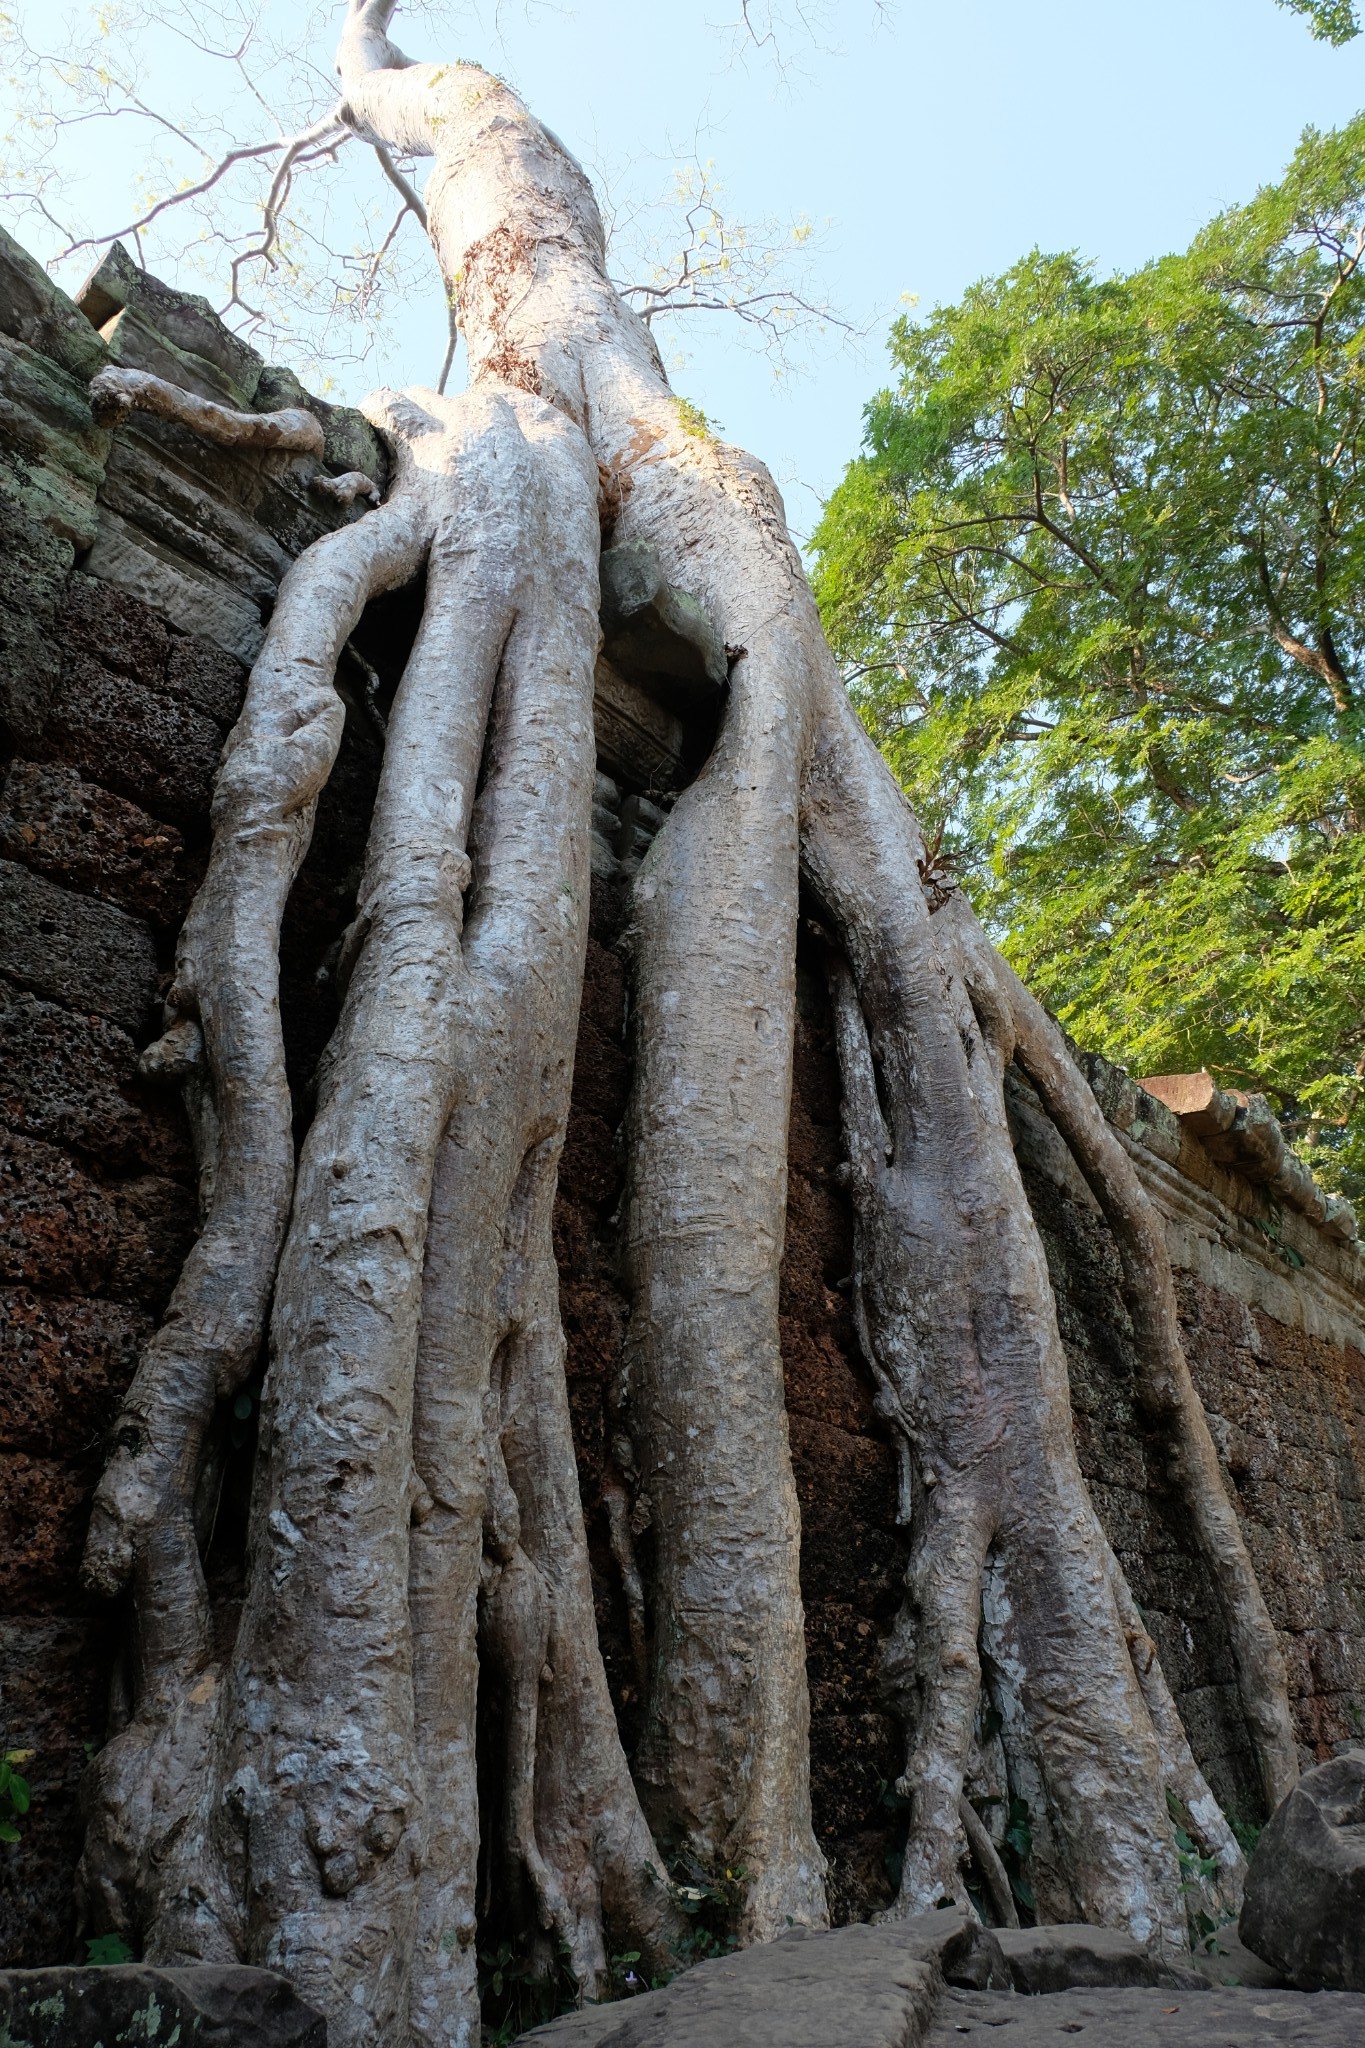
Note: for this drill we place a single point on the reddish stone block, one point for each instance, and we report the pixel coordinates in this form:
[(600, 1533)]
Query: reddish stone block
[(155, 749), (88, 956), (96, 843), (72, 1079), (64, 1367), (44, 1510)]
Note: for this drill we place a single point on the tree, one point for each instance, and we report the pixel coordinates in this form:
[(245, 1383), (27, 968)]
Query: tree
[(218, 119), (1097, 580), (310, 1800), (1331, 21)]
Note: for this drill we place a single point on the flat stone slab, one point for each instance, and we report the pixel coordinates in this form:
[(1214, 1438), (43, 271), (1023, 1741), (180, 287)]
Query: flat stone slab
[(134, 2005), (1135, 2018), (845, 1987), (931, 1981), (1080, 1958)]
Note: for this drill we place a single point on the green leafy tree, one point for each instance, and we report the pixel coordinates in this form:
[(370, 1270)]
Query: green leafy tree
[(1098, 580), (1331, 21)]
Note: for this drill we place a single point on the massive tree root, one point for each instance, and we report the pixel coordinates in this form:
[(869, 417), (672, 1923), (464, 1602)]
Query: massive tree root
[(313, 1801)]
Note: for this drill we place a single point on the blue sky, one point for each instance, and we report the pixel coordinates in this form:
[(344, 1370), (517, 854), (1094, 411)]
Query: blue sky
[(940, 141)]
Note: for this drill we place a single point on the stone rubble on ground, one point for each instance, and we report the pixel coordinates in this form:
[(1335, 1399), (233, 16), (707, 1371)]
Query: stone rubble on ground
[(1304, 1909)]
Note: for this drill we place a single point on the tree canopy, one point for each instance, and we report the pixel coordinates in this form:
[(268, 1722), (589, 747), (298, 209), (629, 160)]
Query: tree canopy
[(1331, 21), (1096, 579)]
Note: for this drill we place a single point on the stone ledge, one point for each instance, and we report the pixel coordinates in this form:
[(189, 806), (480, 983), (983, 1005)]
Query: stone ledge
[(122, 2004), (1215, 1138)]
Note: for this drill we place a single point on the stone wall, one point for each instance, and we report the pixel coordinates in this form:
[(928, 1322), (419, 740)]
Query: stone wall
[(135, 574)]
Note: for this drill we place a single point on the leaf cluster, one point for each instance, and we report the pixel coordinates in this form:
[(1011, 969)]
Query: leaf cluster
[(1329, 21), (1098, 583), (14, 1793)]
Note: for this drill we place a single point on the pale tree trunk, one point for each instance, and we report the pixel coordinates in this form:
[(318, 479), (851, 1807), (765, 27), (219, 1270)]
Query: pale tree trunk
[(416, 1526)]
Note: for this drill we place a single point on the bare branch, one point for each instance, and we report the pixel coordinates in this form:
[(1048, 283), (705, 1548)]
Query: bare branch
[(400, 184)]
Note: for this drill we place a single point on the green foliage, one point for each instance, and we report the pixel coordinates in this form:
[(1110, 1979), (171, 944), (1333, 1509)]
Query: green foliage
[(1248, 1834), (1196, 1870), (711, 1900), (1330, 21), (107, 1948), (1018, 1847), (14, 1793), (521, 1987), (694, 421), (1098, 583)]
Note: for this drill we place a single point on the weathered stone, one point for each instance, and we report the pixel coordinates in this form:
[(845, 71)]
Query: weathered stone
[(1339, 1220), (73, 1079), (185, 319), (54, 453), (1139, 2018), (1195, 1098), (1225, 1959), (97, 843), (1155, 1126), (54, 1690), (44, 1509), (89, 956), (121, 632), (189, 596), (657, 633), (36, 563), (137, 342), (115, 629), (1080, 1958), (155, 749), (1304, 1910), (37, 312), (860, 1987), (122, 2004), (1255, 1143), (64, 1365), (202, 503), (636, 737), (210, 678), (63, 1233), (350, 442)]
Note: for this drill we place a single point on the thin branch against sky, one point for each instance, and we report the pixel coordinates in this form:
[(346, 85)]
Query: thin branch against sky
[(918, 135)]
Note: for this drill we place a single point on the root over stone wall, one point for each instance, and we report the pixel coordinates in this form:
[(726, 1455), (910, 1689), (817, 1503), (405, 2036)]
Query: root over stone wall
[(133, 582)]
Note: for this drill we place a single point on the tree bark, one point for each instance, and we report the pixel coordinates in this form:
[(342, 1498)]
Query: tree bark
[(416, 1530)]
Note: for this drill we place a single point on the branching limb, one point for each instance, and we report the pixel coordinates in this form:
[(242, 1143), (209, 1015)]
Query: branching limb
[(1167, 1391), (411, 202), (348, 488), (987, 1858), (115, 393)]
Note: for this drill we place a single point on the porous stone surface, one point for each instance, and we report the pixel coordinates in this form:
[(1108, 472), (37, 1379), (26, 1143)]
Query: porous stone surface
[(125, 2005), (1285, 1396), (1304, 1909), (112, 719)]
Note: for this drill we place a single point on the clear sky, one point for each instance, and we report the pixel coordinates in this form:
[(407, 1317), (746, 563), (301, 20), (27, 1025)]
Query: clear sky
[(940, 140)]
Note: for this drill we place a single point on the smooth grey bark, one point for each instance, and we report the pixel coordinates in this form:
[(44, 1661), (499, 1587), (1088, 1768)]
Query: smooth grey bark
[(416, 1519)]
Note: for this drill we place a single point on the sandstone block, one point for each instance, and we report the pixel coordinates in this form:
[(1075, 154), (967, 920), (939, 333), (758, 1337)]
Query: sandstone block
[(36, 311), (858, 1986), (1304, 1910), (1079, 1958), (90, 956), (65, 1363), (99, 844), (72, 1079), (154, 749)]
